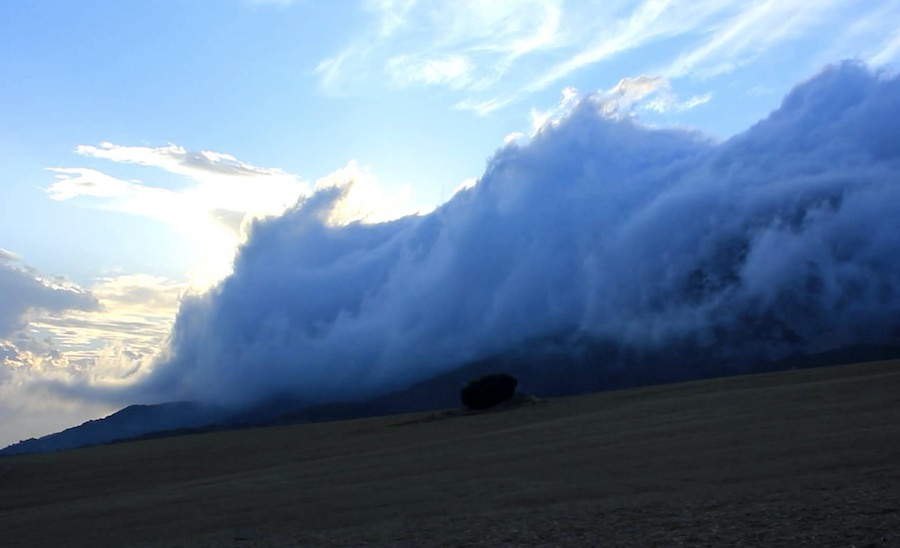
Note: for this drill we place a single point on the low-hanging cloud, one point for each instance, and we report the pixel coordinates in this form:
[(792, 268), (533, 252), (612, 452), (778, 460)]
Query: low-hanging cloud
[(780, 240)]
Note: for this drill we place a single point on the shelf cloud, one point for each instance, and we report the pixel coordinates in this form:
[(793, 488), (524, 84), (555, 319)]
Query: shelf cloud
[(780, 240)]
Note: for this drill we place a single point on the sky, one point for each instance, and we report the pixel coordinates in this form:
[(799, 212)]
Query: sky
[(140, 141)]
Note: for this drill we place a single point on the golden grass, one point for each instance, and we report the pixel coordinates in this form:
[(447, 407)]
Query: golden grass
[(799, 458)]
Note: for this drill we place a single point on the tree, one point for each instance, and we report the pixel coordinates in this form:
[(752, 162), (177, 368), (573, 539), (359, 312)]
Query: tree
[(488, 391)]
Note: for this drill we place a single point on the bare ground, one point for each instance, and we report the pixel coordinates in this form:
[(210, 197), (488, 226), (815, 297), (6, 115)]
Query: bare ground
[(804, 458)]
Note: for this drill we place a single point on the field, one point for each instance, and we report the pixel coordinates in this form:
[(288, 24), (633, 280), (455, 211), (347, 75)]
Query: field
[(802, 458)]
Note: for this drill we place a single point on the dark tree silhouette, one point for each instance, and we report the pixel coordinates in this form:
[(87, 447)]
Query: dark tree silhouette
[(488, 391)]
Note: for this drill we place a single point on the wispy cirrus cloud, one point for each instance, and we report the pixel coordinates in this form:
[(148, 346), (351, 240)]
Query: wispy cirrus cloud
[(752, 31), (493, 54)]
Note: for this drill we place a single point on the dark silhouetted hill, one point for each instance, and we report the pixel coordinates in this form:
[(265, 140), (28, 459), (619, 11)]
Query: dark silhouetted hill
[(546, 368)]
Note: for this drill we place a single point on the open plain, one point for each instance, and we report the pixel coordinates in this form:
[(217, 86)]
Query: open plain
[(801, 458)]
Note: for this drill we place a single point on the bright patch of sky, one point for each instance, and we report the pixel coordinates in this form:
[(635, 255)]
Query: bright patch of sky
[(139, 139)]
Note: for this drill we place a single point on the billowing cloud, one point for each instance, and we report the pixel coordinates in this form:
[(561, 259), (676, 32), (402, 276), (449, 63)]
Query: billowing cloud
[(212, 205), (596, 231)]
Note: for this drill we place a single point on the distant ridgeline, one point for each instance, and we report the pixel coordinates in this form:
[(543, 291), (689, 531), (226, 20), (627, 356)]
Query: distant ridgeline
[(546, 368)]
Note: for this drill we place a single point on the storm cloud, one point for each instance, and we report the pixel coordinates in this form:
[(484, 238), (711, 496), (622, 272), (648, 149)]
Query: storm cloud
[(782, 239)]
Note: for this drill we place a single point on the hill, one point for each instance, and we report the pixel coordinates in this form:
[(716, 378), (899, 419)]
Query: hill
[(543, 369), (801, 458)]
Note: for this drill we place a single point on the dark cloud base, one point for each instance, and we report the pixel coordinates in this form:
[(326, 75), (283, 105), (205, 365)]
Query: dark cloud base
[(602, 253)]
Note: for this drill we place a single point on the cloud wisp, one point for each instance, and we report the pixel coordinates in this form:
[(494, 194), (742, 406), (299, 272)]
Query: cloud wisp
[(778, 241), (209, 199), (214, 196), (496, 53)]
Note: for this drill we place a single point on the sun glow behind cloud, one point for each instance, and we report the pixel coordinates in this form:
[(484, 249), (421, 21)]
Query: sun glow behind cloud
[(108, 333), (215, 195)]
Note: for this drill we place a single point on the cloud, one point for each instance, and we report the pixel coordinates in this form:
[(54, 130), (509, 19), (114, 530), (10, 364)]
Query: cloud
[(625, 99), (666, 102), (214, 196), (493, 54), (29, 355), (127, 314), (220, 192), (176, 159), (889, 51), (748, 33), (110, 343), (137, 313), (25, 292), (598, 231), (450, 70), (444, 43), (217, 199)]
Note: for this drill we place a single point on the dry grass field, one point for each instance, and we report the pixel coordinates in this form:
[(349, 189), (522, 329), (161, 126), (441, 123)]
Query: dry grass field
[(803, 458)]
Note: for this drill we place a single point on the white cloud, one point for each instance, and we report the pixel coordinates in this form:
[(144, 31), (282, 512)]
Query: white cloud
[(624, 99), (600, 242), (392, 14), (218, 194), (449, 70), (540, 119), (496, 53), (747, 34), (668, 102), (484, 107), (889, 51), (107, 336), (446, 41)]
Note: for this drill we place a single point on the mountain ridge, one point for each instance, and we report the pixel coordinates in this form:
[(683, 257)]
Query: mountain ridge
[(142, 421)]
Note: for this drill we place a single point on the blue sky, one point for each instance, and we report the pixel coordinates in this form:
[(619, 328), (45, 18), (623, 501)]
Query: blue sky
[(138, 139)]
